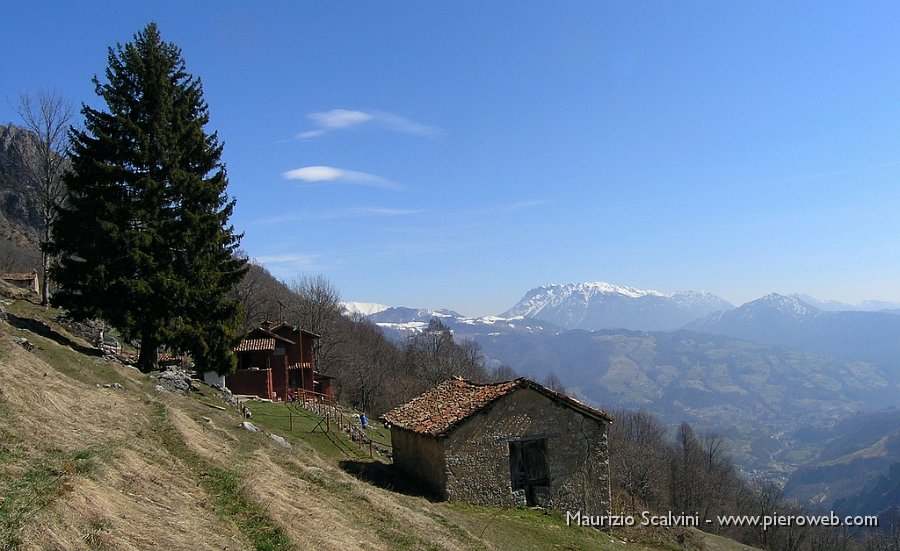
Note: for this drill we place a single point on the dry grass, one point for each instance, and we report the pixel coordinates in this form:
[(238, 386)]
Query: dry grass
[(137, 497), (86, 467)]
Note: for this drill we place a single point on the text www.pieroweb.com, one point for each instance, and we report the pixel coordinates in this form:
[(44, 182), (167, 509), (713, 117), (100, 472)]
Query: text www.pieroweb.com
[(646, 518)]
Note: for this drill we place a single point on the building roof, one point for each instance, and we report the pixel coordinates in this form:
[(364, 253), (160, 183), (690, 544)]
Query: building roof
[(256, 345), (263, 333), (18, 276), (282, 325), (438, 411)]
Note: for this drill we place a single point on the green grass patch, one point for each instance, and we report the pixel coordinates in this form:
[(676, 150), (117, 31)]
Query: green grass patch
[(301, 427), (527, 528), (225, 488)]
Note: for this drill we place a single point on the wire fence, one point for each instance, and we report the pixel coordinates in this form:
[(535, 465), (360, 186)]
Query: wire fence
[(332, 419)]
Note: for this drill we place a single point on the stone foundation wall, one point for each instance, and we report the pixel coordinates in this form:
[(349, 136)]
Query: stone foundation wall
[(477, 454), (422, 457)]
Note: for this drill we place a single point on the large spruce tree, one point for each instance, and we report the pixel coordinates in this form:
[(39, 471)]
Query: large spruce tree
[(144, 241)]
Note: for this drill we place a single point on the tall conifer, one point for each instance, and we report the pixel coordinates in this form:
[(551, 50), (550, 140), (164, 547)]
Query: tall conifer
[(144, 241)]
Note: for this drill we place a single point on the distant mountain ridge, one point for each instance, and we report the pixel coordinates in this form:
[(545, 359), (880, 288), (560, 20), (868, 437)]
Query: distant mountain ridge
[(399, 322), (788, 321), (601, 305), (837, 306)]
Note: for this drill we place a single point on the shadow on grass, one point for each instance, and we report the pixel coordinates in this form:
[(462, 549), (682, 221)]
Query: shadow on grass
[(40, 328), (388, 477)]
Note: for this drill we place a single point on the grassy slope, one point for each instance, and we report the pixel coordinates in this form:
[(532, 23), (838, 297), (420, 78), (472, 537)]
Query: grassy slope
[(83, 466)]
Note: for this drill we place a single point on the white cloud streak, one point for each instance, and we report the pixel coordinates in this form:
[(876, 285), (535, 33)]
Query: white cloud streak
[(375, 211), (350, 212), (319, 174), (288, 265), (338, 119), (292, 259), (406, 126)]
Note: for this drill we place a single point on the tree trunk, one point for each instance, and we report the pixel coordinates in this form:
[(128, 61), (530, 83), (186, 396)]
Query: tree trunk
[(148, 358), (45, 278)]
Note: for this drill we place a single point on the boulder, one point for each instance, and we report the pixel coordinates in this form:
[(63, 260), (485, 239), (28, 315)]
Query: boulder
[(174, 380), (281, 441)]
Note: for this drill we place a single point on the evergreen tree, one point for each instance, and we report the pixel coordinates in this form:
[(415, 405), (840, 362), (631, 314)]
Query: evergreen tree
[(144, 241)]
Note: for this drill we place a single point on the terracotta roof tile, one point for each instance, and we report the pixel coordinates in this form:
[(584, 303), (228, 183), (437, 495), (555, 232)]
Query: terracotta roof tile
[(437, 411), (255, 345)]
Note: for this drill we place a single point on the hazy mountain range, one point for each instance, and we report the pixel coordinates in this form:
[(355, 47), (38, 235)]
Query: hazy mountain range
[(771, 375), (788, 321)]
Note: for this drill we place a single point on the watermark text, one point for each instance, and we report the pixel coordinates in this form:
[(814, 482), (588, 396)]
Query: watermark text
[(647, 518)]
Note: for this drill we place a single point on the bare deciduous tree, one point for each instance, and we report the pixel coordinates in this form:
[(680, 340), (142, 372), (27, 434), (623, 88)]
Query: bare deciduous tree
[(368, 364), (638, 453), (317, 308), (503, 372), (432, 356), (553, 382), (47, 116)]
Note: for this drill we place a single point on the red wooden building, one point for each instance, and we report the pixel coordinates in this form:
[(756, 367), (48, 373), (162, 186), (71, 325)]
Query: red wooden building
[(278, 362)]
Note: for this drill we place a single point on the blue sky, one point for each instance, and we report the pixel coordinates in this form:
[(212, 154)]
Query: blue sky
[(457, 154)]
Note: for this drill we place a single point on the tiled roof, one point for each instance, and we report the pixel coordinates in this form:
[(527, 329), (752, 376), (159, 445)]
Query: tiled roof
[(255, 345), (437, 411)]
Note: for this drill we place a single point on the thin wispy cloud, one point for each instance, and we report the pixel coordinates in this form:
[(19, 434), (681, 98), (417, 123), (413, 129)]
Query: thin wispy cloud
[(339, 119), (335, 119), (522, 205), (406, 126), (288, 265), (376, 211), (508, 208), (803, 177), (350, 212), (320, 174), (290, 259)]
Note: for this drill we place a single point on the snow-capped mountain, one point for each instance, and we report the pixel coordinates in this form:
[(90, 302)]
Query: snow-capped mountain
[(600, 305), (774, 308)]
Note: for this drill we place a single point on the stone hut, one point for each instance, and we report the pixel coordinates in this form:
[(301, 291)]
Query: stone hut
[(511, 443), (25, 280)]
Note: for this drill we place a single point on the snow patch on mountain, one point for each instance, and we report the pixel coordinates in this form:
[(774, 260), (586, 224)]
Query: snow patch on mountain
[(601, 305), (364, 308), (787, 305)]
